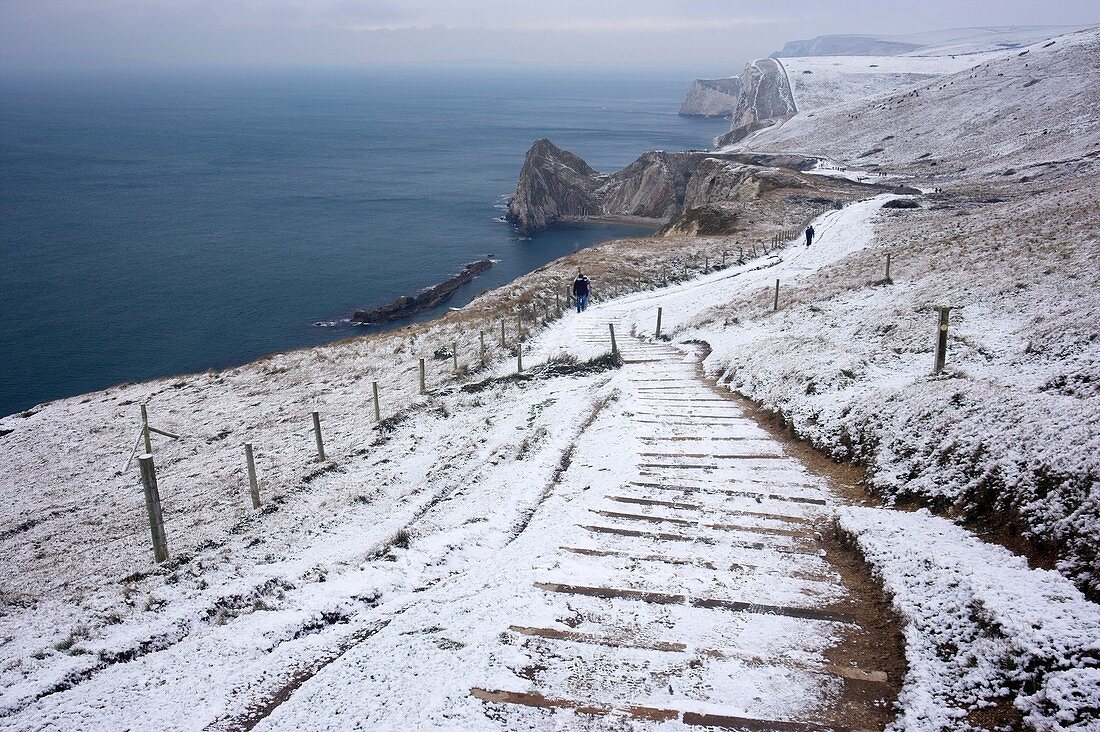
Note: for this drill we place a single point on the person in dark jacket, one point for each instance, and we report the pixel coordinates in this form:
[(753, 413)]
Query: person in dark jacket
[(580, 291), (809, 235)]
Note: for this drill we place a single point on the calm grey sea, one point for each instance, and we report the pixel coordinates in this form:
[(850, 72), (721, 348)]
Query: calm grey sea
[(153, 224)]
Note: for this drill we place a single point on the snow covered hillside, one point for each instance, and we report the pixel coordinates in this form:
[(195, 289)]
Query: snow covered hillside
[(585, 544), (952, 41)]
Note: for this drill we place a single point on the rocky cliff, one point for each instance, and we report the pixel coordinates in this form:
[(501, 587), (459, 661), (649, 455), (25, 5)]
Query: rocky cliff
[(712, 97), (765, 99), (553, 184), (556, 185)]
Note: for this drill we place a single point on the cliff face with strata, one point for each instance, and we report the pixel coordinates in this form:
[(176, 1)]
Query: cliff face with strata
[(553, 184), (712, 97), (760, 97), (556, 185), (766, 98)]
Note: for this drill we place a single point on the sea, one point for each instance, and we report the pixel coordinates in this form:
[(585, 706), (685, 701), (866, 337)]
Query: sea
[(159, 223)]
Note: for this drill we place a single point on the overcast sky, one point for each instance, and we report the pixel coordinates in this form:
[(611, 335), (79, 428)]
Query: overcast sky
[(709, 36)]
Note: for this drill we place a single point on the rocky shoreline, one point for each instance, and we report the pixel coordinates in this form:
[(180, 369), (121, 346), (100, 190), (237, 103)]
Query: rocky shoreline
[(405, 306)]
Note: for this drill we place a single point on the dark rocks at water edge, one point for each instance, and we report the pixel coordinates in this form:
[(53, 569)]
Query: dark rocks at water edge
[(406, 306)]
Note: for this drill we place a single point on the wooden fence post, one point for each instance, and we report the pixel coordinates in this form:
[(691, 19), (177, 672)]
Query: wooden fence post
[(519, 356), (658, 332), (377, 406), (614, 346), (723, 259), (481, 342), (317, 435), (423, 385), (152, 506), (888, 280), (941, 341), (253, 484), (454, 356), (502, 344), (706, 264), (775, 304), (145, 431)]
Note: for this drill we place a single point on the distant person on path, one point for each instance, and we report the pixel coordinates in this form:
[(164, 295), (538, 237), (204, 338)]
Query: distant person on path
[(580, 291), (809, 235)]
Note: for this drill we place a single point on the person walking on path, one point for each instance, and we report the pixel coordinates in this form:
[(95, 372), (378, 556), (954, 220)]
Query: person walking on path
[(809, 235), (580, 292)]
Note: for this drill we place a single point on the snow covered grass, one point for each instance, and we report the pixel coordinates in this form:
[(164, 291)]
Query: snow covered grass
[(284, 586), (981, 626), (78, 591), (822, 81), (1009, 434)]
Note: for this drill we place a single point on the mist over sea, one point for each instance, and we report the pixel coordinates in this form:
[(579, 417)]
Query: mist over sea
[(155, 224)]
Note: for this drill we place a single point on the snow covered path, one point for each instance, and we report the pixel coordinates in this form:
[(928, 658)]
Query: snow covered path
[(694, 588), (673, 575)]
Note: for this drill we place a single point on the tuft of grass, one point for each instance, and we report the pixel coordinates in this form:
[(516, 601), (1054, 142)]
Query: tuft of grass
[(66, 644), (569, 365), (401, 539)]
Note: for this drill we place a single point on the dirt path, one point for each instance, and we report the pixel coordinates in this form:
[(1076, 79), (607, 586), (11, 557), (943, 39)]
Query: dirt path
[(706, 588)]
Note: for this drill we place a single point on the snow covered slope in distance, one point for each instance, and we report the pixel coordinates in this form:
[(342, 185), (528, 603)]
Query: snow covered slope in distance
[(821, 81), (925, 43), (1028, 108)]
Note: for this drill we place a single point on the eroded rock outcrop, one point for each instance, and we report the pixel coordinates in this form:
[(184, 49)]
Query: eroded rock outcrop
[(712, 97), (719, 191), (718, 179), (556, 185)]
